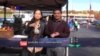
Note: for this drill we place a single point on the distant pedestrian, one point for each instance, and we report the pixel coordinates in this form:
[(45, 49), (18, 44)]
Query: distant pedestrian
[(71, 23), (76, 25), (88, 24)]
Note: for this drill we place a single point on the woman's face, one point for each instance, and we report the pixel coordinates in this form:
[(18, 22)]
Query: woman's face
[(37, 15)]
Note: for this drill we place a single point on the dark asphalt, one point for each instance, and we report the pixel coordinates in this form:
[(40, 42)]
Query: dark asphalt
[(86, 51), (84, 33)]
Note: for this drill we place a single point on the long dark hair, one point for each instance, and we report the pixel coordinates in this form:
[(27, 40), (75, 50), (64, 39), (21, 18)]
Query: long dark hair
[(33, 19)]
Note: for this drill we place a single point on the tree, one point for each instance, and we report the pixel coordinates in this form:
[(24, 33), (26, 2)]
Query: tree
[(97, 16)]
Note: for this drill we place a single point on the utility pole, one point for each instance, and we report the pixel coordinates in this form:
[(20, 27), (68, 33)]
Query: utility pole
[(67, 10), (5, 11)]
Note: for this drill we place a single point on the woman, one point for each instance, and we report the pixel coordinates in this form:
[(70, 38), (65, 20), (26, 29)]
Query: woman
[(35, 29)]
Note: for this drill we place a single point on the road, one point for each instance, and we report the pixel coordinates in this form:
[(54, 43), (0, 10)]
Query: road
[(83, 32)]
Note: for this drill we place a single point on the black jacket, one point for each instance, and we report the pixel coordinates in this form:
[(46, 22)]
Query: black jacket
[(30, 33)]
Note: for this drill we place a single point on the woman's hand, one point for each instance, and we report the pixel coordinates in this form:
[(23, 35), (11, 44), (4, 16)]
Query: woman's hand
[(32, 25)]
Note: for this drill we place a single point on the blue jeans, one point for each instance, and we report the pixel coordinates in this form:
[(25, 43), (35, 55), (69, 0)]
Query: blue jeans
[(58, 51)]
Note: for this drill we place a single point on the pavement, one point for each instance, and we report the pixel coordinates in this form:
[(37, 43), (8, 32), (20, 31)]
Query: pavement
[(84, 33)]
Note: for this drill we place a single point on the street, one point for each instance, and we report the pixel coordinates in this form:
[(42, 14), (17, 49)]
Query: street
[(90, 33)]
